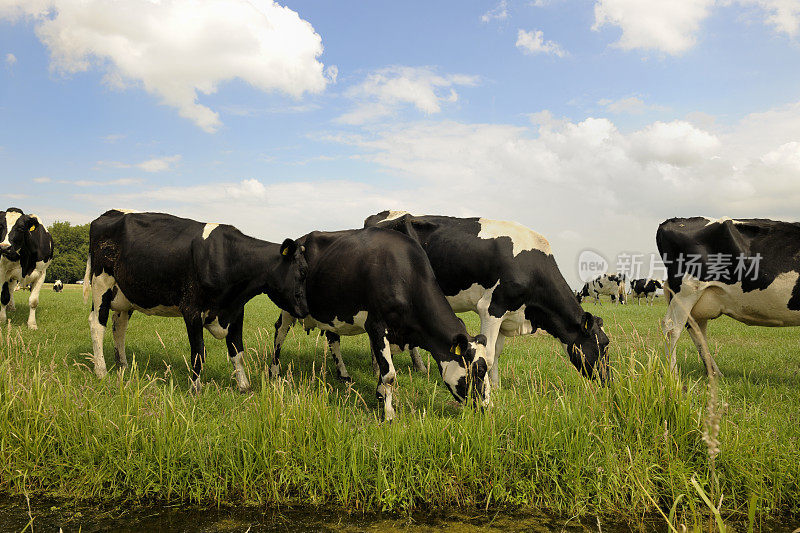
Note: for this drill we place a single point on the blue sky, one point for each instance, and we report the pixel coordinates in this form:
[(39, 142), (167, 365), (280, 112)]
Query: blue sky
[(589, 122)]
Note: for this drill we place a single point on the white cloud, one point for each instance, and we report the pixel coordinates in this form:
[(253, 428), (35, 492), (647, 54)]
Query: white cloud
[(631, 105), (783, 15), (179, 49), (123, 182), (156, 164), (500, 12), (113, 137), (610, 189), (386, 90), (270, 211), (532, 42), (670, 27), (11, 59), (42, 179)]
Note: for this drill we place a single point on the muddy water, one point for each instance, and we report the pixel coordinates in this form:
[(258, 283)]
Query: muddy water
[(53, 515)]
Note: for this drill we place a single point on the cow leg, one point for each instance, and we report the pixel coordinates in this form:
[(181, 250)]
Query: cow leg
[(282, 326), (700, 339), (102, 294), (490, 326), (336, 350), (12, 287), (419, 365), (33, 301), (119, 325), (382, 352), (5, 297), (680, 306), (194, 328), (236, 352), (494, 374)]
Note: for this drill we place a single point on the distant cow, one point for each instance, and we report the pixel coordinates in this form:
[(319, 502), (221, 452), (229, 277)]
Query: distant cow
[(748, 269), (645, 288), (163, 265), (26, 250), (380, 282), (609, 284), (506, 273), (58, 286)]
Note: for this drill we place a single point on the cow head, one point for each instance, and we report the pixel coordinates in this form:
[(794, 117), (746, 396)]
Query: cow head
[(589, 351), (465, 368), (16, 233), (288, 289)]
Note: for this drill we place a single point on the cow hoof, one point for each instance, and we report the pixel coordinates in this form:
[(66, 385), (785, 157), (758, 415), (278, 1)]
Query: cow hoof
[(195, 387), (345, 379), (100, 372), (244, 390), (33, 326)]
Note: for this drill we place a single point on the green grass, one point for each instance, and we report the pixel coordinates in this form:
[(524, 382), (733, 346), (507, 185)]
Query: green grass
[(553, 441)]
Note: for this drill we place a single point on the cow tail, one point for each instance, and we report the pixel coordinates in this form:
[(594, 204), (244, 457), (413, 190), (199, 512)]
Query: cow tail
[(87, 280)]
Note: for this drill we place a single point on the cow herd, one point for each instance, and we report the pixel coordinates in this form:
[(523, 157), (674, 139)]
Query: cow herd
[(400, 279)]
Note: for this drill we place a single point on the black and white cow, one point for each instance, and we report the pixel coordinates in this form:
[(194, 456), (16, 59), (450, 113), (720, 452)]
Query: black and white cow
[(609, 284), (163, 265), (379, 281), (506, 273), (58, 286), (645, 288), (749, 269), (26, 250)]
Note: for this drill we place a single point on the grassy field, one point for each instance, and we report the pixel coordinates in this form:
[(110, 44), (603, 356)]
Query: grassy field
[(552, 442)]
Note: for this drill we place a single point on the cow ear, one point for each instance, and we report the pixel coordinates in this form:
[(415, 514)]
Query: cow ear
[(480, 338), (460, 345), (32, 225), (587, 321), (288, 248)]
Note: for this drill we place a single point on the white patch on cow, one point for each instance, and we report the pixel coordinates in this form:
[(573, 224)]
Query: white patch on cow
[(338, 326), (452, 372), (768, 307), (216, 329), (522, 238), (239, 372), (11, 219), (480, 353), (126, 211), (467, 300), (721, 220), (395, 214), (207, 229), (515, 323)]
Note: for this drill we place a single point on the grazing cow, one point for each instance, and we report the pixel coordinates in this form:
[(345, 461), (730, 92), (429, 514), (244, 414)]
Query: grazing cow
[(748, 269), (609, 284), (506, 273), (58, 286), (380, 282), (645, 288), (163, 265), (26, 250)]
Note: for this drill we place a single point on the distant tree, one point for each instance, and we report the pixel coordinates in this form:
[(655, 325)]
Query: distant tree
[(70, 250)]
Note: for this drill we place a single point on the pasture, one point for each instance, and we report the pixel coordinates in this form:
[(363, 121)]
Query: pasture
[(552, 442)]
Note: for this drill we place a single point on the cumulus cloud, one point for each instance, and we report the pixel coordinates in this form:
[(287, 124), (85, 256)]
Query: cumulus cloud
[(532, 42), (156, 164), (181, 49), (385, 91), (500, 12), (783, 15), (669, 27), (11, 59), (631, 105)]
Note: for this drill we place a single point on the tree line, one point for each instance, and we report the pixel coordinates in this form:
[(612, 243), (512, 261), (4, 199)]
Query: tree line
[(70, 250)]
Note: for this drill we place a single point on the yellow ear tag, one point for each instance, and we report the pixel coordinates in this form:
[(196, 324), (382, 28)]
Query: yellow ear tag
[(457, 349), (32, 228), (586, 325), (285, 251)]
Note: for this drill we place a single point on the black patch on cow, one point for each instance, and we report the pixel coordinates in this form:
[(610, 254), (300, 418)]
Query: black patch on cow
[(105, 306), (778, 244), (5, 295)]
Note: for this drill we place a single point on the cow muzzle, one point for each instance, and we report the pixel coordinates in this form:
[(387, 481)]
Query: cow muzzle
[(8, 252)]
